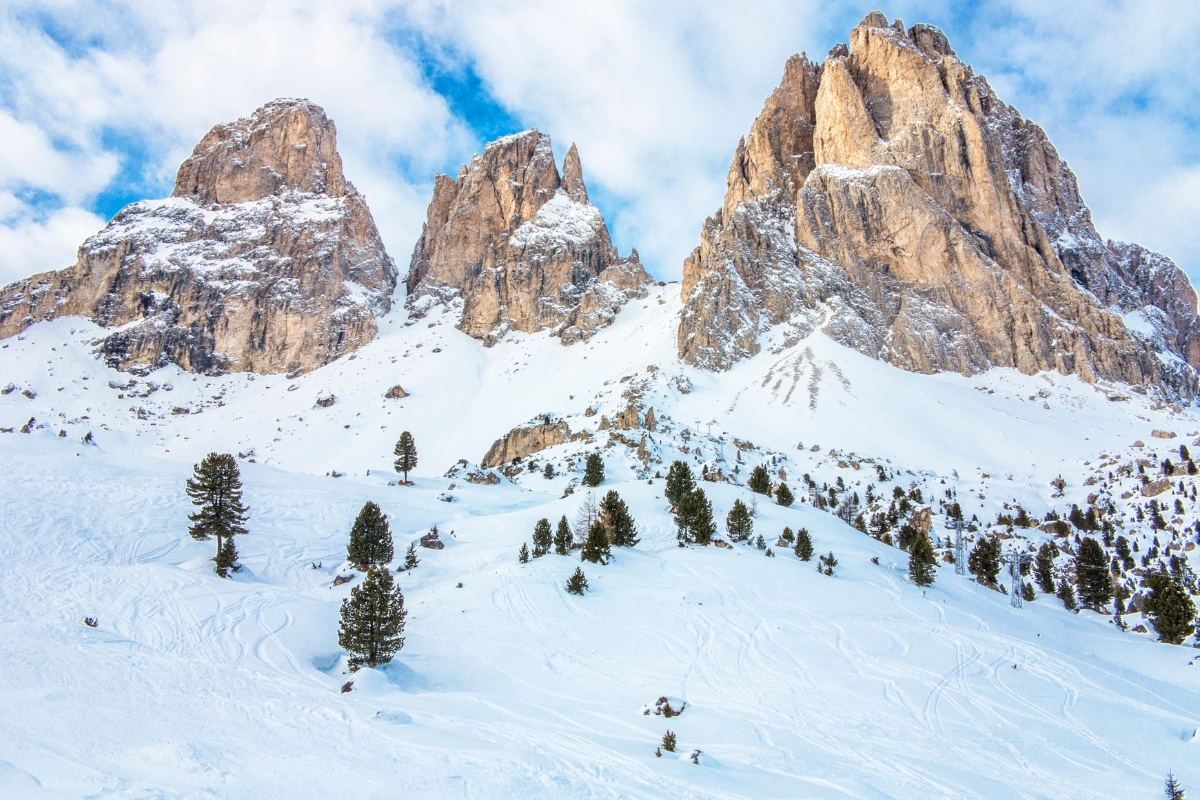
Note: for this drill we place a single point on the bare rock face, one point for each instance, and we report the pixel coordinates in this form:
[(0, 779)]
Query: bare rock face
[(521, 248), (528, 439), (890, 198), (264, 259)]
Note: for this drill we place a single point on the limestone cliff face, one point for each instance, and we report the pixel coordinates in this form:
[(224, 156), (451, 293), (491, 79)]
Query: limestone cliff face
[(891, 198), (264, 259), (521, 248)]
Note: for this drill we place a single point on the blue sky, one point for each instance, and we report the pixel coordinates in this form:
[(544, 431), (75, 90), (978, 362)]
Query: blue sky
[(100, 101)]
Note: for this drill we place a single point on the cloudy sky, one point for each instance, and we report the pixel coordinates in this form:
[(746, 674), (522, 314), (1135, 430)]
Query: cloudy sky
[(100, 101)]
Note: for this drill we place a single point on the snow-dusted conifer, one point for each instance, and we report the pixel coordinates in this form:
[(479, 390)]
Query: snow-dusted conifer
[(596, 548), (562, 537), (373, 620), (1043, 567), (679, 482), (614, 514), (370, 538), (542, 538), (216, 487), (226, 557), (760, 480), (738, 523), (804, 545), (784, 496), (921, 561), (406, 454), (593, 470)]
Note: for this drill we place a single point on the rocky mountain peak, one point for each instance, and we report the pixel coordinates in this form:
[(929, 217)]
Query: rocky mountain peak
[(519, 247), (264, 259), (873, 198), (286, 145)]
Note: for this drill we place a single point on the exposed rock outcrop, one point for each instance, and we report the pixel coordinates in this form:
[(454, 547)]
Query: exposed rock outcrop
[(891, 198), (528, 439), (520, 247), (264, 259)]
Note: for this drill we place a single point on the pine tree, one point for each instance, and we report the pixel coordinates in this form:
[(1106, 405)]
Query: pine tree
[(593, 471), (548, 472), (1172, 790), (216, 487), (410, 556), (679, 482), (668, 743), (825, 564), (921, 561), (693, 518), (738, 523), (1092, 577), (523, 556), (1066, 593), (760, 480), (1027, 593), (1043, 569), (1174, 614), (577, 582), (370, 538), (614, 514), (784, 496), (984, 560), (406, 454), (542, 538), (562, 537), (226, 557), (804, 545), (596, 548), (787, 536), (373, 620)]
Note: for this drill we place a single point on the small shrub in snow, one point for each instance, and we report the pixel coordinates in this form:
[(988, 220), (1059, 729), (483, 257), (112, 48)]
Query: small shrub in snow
[(760, 542), (347, 686), (825, 564), (668, 742), (577, 583), (523, 556), (91, 622)]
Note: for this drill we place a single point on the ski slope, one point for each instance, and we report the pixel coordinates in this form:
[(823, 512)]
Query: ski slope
[(859, 685)]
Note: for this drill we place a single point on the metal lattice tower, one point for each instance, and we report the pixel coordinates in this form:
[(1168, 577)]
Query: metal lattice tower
[(1016, 561), (957, 524)]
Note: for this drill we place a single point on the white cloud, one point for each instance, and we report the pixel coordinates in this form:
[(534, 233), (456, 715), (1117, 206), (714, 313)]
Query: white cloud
[(656, 96), (31, 242)]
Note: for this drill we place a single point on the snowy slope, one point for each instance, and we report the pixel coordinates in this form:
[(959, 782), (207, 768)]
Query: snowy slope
[(797, 684)]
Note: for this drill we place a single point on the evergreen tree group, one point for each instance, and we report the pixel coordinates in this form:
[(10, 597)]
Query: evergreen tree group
[(596, 548), (615, 516), (577, 583), (1092, 577), (679, 482), (216, 488), (784, 496), (921, 561), (694, 518), (542, 538), (804, 545), (984, 560), (760, 480), (738, 523), (373, 620), (370, 538), (562, 537), (406, 454), (593, 470)]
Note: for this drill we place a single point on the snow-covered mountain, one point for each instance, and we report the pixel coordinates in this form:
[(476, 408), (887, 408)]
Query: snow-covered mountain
[(793, 683)]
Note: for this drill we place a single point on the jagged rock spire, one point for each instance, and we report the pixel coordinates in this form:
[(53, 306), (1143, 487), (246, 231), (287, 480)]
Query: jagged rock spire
[(572, 179)]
